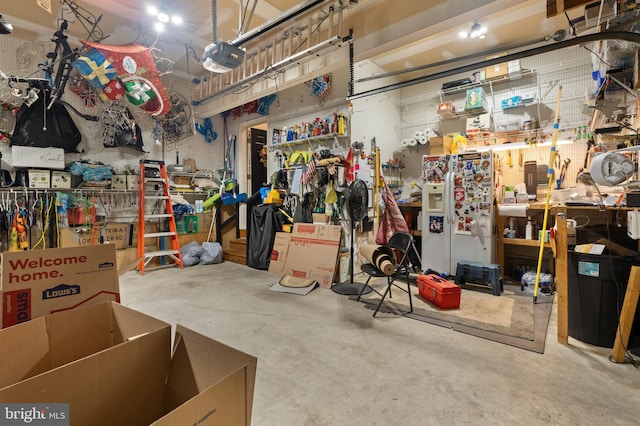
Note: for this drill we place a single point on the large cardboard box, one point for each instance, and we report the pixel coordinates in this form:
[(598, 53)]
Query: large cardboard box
[(122, 235), (40, 282), (51, 341), (135, 379), (279, 252), (313, 241)]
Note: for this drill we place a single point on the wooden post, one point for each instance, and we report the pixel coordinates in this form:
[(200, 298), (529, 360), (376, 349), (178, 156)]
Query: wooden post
[(562, 274), (627, 314), (500, 237)]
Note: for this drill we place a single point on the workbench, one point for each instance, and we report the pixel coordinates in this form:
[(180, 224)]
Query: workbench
[(558, 255)]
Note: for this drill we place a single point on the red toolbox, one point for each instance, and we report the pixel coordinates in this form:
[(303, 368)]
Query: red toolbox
[(439, 291)]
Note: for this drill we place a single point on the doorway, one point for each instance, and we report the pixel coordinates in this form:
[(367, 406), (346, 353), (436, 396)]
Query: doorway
[(245, 162), (257, 140)]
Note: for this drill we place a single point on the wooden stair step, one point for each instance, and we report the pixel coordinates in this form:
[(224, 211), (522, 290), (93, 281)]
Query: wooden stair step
[(238, 243), (235, 255)]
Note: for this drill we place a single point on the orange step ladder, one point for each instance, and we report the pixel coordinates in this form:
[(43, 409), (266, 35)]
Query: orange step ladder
[(154, 188)]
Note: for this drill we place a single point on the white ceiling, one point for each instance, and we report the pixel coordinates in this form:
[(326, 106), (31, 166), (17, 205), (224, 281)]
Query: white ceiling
[(395, 34)]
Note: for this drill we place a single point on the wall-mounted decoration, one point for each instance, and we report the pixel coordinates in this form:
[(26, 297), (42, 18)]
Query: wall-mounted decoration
[(120, 128), (321, 85), (206, 130), (8, 112), (134, 65), (177, 124)]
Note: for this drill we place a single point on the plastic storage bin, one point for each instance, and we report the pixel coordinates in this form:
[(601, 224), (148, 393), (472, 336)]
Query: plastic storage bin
[(594, 297)]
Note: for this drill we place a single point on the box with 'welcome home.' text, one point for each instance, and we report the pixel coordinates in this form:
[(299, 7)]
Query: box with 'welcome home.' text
[(40, 282)]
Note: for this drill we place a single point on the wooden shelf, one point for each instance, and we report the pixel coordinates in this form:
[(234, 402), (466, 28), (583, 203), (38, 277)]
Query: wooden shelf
[(310, 139), (523, 242)]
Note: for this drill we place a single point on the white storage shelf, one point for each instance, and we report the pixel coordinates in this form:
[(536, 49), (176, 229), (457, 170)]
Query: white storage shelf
[(308, 141), (421, 111)]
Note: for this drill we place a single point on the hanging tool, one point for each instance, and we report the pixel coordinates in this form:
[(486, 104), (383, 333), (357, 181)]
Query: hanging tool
[(563, 169), (509, 158), (552, 158), (520, 162), (590, 144)]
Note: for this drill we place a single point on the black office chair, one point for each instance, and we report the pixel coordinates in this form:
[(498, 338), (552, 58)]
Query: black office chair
[(402, 244)]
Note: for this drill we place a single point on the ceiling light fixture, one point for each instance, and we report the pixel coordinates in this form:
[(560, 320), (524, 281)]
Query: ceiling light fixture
[(220, 56), (163, 17), (477, 31)]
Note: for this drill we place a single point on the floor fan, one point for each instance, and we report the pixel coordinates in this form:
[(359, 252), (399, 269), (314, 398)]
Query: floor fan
[(357, 204)]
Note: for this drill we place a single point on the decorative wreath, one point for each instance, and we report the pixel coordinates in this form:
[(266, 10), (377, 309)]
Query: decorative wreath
[(321, 85)]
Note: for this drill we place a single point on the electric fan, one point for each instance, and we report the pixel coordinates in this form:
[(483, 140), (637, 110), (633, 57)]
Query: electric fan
[(611, 168), (357, 201)]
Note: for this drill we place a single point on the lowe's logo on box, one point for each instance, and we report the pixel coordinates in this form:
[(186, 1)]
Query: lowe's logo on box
[(36, 414), (60, 290)]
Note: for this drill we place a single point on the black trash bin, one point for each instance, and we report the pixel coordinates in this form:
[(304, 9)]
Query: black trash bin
[(596, 289)]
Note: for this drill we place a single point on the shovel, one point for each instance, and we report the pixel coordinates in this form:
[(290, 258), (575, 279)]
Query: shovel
[(330, 198), (332, 195)]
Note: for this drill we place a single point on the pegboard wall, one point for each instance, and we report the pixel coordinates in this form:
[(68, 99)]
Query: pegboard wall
[(540, 80), (21, 59)]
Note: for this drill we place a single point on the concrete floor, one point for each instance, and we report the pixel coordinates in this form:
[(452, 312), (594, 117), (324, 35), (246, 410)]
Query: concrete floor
[(324, 360)]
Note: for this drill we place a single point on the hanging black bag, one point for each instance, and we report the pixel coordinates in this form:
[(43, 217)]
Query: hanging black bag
[(41, 127)]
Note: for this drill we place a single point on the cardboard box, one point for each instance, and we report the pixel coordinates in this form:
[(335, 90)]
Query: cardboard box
[(46, 158), (191, 162), (182, 180), (39, 178), (188, 224), (279, 252), (497, 70), (511, 102), (60, 179), (136, 379), (119, 182), (40, 282), (344, 267), (318, 242), (133, 182), (439, 145), (321, 218), (56, 340), (119, 234)]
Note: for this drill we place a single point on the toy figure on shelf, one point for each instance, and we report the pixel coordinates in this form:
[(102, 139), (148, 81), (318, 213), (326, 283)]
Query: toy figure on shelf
[(317, 127)]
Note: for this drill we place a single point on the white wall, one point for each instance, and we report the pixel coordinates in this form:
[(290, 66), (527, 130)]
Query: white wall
[(415, 108)]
